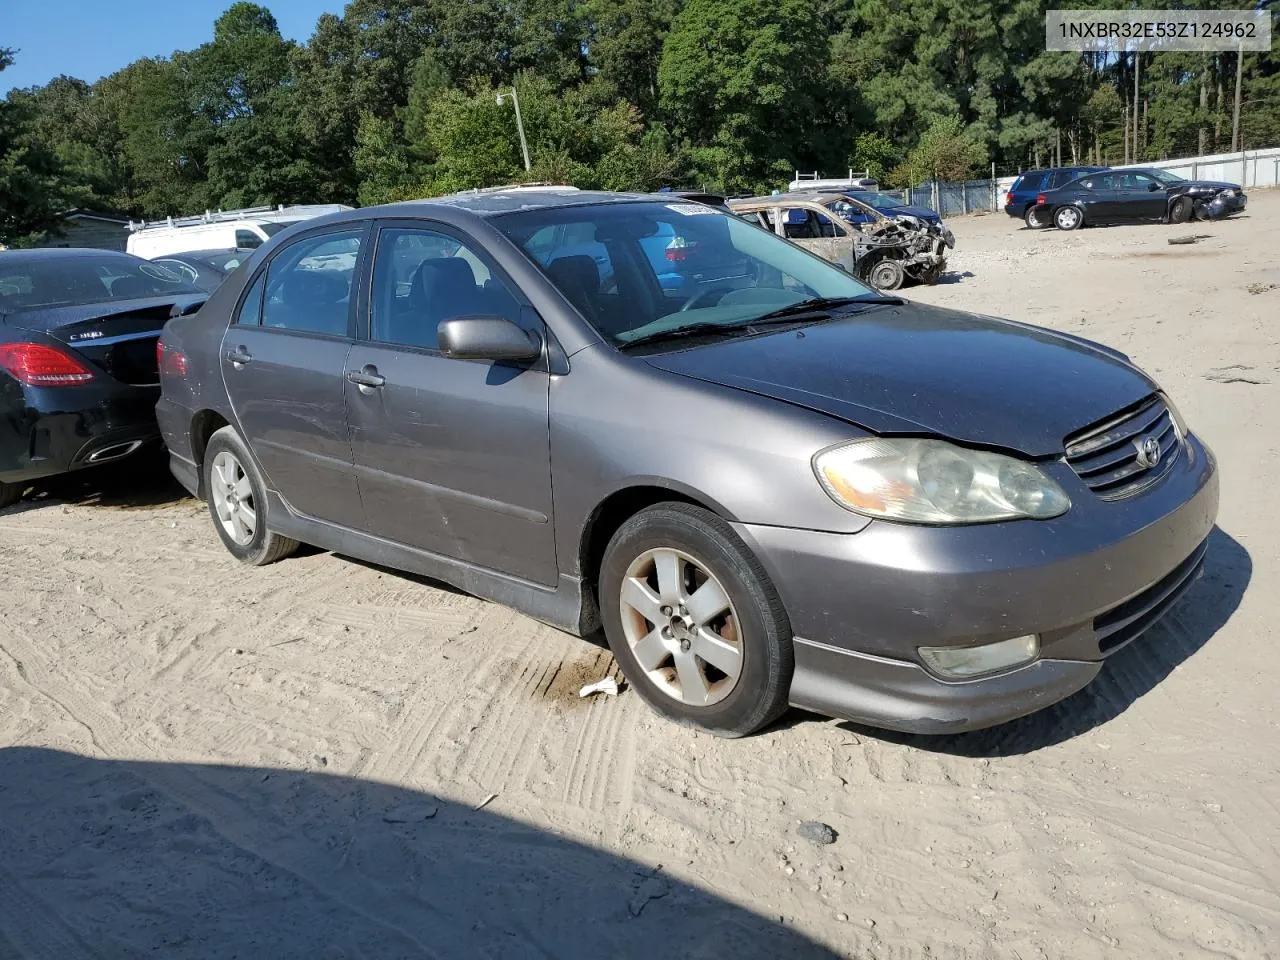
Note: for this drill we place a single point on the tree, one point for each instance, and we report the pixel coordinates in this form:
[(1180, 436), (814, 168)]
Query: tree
[(875, 154), (30, 196), (946, 151), (743, 80), (625, 40)]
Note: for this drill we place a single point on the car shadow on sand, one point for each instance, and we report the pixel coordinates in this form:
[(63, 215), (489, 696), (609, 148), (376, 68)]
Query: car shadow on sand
[(141, 480), (1126, 676), (125, 858)]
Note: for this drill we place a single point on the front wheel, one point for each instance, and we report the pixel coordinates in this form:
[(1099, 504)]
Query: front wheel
[(1180, 212), (1068, 218), (10, 493), (237, 500), (694, 622), (886, 274)]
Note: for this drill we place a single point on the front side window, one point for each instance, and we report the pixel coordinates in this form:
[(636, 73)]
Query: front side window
[(309, 285), (247, 239), (422, 278), (714, 268)]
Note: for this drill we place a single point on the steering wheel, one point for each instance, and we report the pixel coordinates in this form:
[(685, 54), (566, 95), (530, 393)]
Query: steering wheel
[(696, 300)]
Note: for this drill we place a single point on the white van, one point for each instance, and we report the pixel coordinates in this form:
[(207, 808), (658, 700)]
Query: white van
[(220, 229), (811, 181)]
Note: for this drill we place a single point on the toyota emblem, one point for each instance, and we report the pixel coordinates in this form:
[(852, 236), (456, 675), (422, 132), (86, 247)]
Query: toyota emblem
[(1148, 452)]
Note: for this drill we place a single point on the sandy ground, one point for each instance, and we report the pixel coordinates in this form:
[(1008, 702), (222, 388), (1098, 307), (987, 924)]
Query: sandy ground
[(204, 760)]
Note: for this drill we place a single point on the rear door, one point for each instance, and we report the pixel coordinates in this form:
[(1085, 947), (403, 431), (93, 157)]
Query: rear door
[(452, 456), (1098, 197), (283, 360)]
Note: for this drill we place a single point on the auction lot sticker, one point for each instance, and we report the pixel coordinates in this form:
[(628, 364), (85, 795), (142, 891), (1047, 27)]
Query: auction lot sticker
[(1157, 30)]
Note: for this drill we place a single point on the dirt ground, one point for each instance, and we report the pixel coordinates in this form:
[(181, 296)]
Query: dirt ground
[(204, 760)]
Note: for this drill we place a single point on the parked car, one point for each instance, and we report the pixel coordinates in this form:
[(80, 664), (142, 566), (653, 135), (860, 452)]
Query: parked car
[(883, 251), (787, 490), (888, 205), (223, 229), (1121, 196), (78, 379), (1021, 199), (205, 269)]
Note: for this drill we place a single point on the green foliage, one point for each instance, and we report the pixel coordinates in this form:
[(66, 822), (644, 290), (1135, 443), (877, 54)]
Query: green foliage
[(397, 98)]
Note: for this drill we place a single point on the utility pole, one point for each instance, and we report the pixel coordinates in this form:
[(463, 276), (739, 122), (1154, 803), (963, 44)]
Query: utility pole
[(1235, 115), (515, 101), (1137, 103)]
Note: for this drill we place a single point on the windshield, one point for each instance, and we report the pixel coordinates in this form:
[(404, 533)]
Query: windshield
[(878, 200), (635, 270), (223, 261), (33, 283), (1167, 178)]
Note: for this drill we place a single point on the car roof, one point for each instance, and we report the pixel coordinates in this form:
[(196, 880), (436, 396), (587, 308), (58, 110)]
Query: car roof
[(794, 196), (510, 200), (58, 253)]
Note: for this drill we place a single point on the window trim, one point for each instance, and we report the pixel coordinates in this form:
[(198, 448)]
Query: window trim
[(362, 228), (364, 319)]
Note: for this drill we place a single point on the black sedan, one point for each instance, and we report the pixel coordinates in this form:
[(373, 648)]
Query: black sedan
[(1125, 196), (205, 269), (78, 372)]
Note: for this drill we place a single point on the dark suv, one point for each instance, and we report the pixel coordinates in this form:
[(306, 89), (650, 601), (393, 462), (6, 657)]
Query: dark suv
[(1022, 195)]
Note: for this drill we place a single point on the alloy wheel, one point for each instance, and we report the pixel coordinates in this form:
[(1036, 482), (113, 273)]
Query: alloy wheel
[(681, 627), (232, 495)]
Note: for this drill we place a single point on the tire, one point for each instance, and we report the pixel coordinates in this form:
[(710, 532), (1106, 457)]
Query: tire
[(1033, 221), (1068, 218), (235, 493), (1181, 210), (885, 274), (749, 631), (10, 493)]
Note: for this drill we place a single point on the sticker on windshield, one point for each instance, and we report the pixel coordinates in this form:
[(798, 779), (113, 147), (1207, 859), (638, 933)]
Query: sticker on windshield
[(692, 209)]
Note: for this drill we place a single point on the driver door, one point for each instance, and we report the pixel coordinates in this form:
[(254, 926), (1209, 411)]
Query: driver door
[(1141, 197)]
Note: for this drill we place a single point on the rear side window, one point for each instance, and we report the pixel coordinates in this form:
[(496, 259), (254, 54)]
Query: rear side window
[(309, 285), (1031, 181), (250, 313)]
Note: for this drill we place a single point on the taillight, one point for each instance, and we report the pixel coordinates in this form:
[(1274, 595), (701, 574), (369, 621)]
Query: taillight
[(170, 361), (38, 365), (1039, 199)]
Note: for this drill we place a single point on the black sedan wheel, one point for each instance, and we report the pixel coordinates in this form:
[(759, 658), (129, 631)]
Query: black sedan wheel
[(694, 622), (1068, 218), (10, 493), (1180, 212), (238, 502), (1035, 218)]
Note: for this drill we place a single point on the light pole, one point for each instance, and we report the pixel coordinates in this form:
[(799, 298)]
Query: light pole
[(524, 147)]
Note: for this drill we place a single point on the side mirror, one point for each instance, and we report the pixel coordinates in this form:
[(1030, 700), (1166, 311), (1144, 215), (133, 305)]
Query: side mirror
[(487, 338)]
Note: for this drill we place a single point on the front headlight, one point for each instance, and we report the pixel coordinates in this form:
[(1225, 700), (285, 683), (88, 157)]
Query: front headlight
[(932, 481)]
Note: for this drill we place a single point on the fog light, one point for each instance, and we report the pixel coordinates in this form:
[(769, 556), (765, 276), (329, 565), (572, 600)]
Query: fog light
[(963, 663)]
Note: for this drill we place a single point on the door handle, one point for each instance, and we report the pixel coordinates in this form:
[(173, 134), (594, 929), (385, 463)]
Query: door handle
[(367, 378), (239, 356)]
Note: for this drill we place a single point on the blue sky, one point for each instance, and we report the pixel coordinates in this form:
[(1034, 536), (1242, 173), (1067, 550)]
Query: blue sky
[(92, 38)]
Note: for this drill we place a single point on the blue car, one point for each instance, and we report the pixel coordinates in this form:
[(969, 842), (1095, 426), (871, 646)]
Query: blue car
[(1022, 195), (889, 206)]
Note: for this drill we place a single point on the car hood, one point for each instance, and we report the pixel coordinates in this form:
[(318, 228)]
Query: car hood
[(924, 213), (916, 369), (1204, 185)]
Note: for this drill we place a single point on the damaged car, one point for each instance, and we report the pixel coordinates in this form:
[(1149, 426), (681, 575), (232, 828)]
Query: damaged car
[(1128, 196), (881, 250)]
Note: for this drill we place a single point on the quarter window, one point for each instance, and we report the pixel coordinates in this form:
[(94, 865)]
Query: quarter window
[(422, 278), (309, 285), (250, 313)]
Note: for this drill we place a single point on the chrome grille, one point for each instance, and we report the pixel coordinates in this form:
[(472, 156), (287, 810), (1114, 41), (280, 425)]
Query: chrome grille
[(1109, 456)]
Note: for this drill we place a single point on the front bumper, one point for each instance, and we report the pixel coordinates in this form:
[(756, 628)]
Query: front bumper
[(1086, 583), (47, 431)]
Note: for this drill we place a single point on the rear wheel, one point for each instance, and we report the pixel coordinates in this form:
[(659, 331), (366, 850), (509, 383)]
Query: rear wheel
[(694, 622), (10, 493), (1035, 220), (1067, 218), (238, 502)]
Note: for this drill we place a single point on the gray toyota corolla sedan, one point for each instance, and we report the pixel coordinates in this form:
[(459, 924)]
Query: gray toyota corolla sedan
[(768, 484)]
